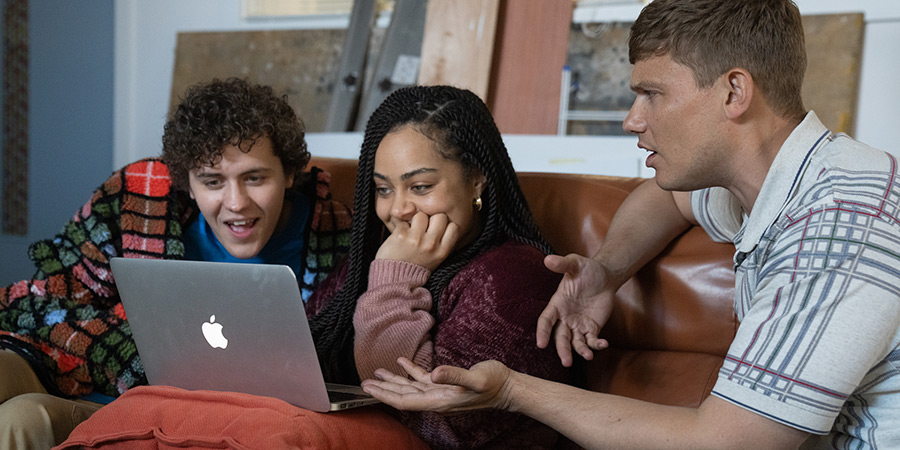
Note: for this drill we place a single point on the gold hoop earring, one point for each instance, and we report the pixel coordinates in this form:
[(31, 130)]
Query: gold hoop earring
[(477, 204)]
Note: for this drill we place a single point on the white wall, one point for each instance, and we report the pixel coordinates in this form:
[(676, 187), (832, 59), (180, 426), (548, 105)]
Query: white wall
[(145, 48)]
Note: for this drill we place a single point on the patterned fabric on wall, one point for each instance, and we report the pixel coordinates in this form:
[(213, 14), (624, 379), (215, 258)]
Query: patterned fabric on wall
[(15, 117)]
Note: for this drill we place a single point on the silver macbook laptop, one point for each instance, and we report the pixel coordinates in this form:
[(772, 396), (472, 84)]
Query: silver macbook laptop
[(226, 327)]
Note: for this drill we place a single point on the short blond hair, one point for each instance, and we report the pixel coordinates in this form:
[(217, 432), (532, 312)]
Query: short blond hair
[(711, 37)]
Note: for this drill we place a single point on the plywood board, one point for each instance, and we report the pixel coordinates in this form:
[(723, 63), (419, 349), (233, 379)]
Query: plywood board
[(834, 46), (299, 63), (458, 45), (598, 57)]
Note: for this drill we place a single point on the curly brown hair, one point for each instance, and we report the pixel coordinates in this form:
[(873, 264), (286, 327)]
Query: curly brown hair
[(217, 113)]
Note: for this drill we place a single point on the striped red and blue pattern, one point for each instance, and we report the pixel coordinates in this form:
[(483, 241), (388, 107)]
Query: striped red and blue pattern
[(818, 293)]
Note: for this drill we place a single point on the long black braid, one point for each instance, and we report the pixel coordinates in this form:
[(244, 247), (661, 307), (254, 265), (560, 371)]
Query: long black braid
[(462, 126)]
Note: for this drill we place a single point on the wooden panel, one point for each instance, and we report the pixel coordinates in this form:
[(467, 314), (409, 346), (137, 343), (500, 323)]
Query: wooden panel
[(598, 57), (458, 45), (300, 63), (834, 45), (530, 55)]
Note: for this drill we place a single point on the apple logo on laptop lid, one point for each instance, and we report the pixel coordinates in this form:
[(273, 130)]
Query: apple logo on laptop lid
[(212, 331)]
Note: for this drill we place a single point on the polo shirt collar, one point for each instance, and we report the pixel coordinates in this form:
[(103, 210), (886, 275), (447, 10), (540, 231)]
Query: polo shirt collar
[(782, 180)]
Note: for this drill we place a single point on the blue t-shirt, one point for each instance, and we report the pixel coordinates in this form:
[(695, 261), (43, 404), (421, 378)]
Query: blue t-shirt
[(284, 247)]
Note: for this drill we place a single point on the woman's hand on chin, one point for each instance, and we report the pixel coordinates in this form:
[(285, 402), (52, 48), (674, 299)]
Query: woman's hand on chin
[(424, 240)]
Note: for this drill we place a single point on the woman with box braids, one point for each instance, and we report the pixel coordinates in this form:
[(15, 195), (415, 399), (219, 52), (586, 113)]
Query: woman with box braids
[(445, 262)]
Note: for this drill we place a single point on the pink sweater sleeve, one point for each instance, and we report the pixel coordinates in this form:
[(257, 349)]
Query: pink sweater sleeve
[(393, 318)]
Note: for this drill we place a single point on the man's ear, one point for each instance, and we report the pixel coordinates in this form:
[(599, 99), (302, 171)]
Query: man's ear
[(289, 182), (740, 87)]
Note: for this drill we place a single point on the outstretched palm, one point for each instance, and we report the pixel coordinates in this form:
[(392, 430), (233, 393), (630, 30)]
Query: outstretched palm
[(447, 389), (578, 309)]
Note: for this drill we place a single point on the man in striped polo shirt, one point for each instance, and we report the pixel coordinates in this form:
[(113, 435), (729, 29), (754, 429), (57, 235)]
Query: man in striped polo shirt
[(814, 217)]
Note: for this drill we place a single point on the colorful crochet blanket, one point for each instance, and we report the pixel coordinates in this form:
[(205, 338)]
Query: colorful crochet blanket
[(68, 321)]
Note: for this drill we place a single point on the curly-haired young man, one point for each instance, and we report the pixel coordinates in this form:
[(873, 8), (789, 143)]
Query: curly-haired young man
[(229, 186)]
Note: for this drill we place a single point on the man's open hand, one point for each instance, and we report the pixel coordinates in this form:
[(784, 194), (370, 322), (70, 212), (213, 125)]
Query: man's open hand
[(446, 389), (578, 309)]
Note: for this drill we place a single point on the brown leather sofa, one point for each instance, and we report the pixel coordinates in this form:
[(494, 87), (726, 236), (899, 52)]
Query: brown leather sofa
[(668, 335), (672, 323)]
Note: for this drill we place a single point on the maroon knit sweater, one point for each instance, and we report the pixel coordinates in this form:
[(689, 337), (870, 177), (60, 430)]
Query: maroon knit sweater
[(489, 310)]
